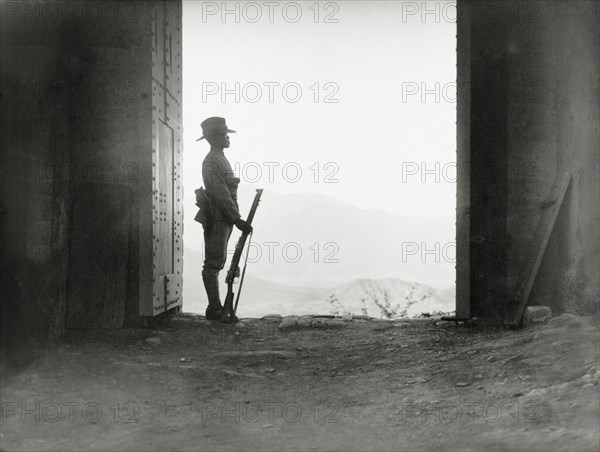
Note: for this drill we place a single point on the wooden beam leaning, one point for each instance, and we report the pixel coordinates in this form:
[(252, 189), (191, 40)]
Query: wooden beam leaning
[(545, 228)]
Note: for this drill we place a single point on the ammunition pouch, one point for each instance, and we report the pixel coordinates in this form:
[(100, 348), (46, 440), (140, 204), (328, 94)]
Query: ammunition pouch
[(206, 209)]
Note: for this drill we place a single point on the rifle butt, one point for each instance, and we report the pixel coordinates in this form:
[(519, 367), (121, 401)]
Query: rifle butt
[(227, 313)]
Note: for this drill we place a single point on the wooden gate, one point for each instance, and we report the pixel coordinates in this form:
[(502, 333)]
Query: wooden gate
[(161, 286)]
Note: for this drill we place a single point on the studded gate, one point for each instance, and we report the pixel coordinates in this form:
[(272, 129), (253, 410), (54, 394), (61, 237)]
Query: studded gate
[(167, 192)]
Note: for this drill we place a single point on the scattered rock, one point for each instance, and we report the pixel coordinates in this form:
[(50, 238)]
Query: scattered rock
[(153, 340), (347, 317), (304, 322), (587, 379), (473, 321), (328, 323), (567, 320), (278, 353), (383, 325), (511, 358), (288, 324), (461, 384), (244, 375), (536, 315), (336, 323), (383, 362), (269, 370), (272, 317), (536, 392)]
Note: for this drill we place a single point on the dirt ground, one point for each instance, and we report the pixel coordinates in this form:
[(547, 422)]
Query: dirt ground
[(310, 384)]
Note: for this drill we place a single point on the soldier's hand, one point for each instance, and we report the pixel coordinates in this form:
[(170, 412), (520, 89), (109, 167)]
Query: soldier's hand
[(243, 226)]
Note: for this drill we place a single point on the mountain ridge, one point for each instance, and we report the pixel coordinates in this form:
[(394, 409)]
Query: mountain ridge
[(262, 296), (315, 240)]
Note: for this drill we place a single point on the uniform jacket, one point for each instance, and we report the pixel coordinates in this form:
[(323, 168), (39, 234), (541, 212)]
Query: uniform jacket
[(221, 186)]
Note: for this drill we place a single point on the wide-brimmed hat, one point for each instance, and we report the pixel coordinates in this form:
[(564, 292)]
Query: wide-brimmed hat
[(214, 125)]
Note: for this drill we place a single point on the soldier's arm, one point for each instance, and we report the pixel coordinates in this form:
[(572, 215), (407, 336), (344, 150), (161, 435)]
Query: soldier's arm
[(216, 185)]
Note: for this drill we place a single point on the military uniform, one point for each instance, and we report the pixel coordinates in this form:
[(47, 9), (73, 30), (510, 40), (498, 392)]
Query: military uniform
[(221, 187), (223, 212)]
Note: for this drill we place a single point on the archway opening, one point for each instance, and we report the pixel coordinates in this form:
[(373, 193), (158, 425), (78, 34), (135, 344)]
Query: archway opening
[(345, 114)]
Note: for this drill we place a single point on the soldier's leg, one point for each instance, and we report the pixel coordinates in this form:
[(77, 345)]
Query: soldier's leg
[(215, 256)]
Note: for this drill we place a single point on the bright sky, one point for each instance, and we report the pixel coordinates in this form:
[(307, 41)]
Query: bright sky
[(373, 144)]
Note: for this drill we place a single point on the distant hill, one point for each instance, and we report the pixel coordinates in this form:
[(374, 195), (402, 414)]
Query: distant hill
[(338, 242), (384, 298)]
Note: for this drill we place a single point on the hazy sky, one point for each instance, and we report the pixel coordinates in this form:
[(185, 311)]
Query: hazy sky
[(372, 144)]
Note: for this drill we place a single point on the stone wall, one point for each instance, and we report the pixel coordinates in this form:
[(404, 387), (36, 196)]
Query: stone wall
[(532, 115)]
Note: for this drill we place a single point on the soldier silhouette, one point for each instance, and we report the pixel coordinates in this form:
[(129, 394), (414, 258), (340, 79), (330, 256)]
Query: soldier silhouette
[(221, 190)]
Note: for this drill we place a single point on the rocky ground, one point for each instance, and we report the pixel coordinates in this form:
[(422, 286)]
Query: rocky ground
[(310, 383)]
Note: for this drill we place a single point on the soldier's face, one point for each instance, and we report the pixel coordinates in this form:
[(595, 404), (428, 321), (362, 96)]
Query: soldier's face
[(221, 140)]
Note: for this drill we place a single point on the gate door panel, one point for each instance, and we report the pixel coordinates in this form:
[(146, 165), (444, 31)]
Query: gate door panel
[(161, 288)]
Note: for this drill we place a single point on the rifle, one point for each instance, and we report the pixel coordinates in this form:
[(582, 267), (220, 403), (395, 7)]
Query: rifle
[(228, 313)]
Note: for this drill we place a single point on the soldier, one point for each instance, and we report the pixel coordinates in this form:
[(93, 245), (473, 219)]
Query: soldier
[(221, 188)]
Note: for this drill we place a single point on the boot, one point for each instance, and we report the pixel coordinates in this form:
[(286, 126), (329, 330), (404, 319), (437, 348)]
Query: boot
[(211, 284), (213, 313)]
